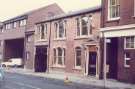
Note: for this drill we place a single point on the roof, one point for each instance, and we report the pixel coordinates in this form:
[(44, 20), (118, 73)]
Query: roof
[(88, 10), (25, 15)]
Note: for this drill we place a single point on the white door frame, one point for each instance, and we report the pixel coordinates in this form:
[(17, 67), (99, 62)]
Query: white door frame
[(87, 60)]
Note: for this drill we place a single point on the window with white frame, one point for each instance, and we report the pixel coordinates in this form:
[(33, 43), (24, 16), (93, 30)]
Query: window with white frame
[(27, 55), (29, 38), (41, 32), (59, 57), (78, 26), (83, 26), (127, 60), (22, 22), (60, 29), (78, 57), (130, 42), (113, 9), (8, 26), (14, 24)]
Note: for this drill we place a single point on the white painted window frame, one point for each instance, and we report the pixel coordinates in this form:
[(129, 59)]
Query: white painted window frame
[(22, 22), (38, 32), (57, 30), (8, 26), (14, 24), (126, 42), (78, 67), (80, 23), (63, 58), (27, 55), (108, 16), (126, 59), (29, 38)]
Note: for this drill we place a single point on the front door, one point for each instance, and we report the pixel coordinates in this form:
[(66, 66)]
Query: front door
[(41, 59), (92, 63)]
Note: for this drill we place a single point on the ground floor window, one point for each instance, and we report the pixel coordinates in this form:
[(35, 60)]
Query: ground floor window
[(59, 56), (127, 60), (77, 57), (130, 42)]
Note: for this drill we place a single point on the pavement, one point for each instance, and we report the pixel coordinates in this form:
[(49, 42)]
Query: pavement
[(111, 84)]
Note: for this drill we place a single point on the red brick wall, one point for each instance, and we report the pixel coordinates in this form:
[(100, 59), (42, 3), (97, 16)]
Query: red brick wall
[(71, 42), (125, 74), (126, 13)]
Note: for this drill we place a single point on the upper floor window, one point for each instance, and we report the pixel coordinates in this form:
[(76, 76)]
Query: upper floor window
[(22, 22), (14, 24), (43, 31), (60, 29), (129, 42), (113, 9), (78, 57), (59, 57), (8, 26), (83, 26)]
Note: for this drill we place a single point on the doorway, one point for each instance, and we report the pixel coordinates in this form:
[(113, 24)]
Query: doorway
[(41, 59), (112, 56), (92, 63)]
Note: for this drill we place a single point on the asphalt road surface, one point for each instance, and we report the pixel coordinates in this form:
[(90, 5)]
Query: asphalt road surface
[(18, 81)]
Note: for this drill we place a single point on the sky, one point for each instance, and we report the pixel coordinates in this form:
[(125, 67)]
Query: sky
[(12, 8)]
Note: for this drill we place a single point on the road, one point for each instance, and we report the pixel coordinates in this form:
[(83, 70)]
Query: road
[(18, 81)]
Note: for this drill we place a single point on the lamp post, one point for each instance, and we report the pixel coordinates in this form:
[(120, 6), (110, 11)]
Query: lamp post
[(105, 62)]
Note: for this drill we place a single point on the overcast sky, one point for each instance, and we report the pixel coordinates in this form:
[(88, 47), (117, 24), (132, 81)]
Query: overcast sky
[(12, 8)]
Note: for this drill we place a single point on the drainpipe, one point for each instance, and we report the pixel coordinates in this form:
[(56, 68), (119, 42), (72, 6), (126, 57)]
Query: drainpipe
[(104, 64), (48, 54)]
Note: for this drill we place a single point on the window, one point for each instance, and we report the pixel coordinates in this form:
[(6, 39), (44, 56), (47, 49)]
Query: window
[(23, 22), (77, 57), (8, 26), (60, 29), (78, 26), (59, 57), (27, 55), (113, 9), (29, 38), (127, 60), (14, 24), (43, 32), (129, 42), (83, 26)]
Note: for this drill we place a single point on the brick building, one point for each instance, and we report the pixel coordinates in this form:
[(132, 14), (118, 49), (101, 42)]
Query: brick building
[(118, 31), (16, 34), (69, 43)]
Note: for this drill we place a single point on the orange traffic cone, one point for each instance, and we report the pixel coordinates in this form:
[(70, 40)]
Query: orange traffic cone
[(66, 80)]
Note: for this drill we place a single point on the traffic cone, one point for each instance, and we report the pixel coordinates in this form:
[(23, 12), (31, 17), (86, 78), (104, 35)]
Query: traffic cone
[(66, 80)]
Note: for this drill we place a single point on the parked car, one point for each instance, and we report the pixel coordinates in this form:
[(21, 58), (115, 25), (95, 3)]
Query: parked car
[(12, 62)]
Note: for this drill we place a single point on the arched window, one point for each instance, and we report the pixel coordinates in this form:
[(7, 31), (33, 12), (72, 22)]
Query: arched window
[(60, 29), (59, 56), (78, 56), (54, 56)]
